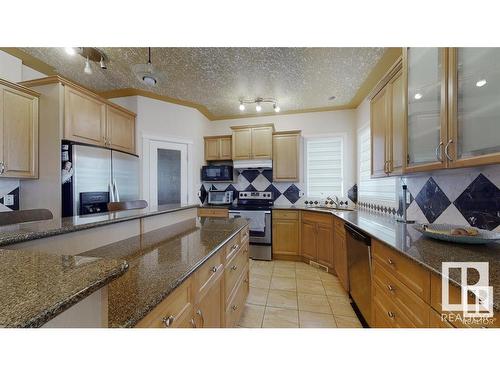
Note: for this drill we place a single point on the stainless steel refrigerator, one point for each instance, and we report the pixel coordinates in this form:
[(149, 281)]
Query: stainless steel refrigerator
[(100, 176)]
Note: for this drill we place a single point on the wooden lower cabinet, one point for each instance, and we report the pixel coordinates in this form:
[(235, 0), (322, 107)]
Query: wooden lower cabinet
[(213, 212), (214, 297), (317, 238), (340, 254), (286, 234)]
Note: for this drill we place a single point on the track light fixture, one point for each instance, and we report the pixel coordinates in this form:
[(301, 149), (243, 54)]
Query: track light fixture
[(258, 104), (90, 54)]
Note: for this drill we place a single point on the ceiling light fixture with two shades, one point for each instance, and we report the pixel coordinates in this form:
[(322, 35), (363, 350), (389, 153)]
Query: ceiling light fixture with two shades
[(90, 54), (258, 104)]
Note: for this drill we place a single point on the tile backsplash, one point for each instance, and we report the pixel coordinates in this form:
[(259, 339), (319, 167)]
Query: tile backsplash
[(258, 180), (9, 186), (468, 196)]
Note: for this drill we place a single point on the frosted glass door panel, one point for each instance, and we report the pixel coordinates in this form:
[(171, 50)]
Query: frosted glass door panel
[(169, 176), (424, 104), (478, 101)]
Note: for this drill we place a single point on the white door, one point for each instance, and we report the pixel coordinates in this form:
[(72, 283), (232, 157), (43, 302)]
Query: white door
[(168, 173)]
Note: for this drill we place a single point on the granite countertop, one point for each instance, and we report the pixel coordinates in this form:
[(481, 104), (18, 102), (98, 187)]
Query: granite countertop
[(159, 261), (429, 253), (31, 231), (36, 287)]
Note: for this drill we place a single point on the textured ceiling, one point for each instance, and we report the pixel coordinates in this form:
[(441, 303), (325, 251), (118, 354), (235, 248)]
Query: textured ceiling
[(299, 78)]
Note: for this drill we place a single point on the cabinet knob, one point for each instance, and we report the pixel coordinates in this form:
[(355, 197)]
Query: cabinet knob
[(234, 268), (214, 269), (234, 307), (168, 321), (391, 262), (391, 314), (391, 288)]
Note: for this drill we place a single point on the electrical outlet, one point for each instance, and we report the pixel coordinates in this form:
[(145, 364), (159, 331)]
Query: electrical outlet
[(408, 198), (8, 200)]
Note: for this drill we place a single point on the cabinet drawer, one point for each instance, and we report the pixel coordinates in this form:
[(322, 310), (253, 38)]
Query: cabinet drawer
[(455, 298), (213, 212), (175, 311), (244, 235), (208, 273), (232, 248), (408, 302), (314, 217), (286, 214), (386, 314), (235, 306), (405, 270), (234, 269)]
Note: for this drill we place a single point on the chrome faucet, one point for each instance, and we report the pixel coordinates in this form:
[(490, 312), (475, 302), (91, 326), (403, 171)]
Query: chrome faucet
[(336, 202)]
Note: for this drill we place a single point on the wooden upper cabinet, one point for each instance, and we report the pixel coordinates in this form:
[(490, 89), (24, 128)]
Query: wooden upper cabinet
[(252, 142), (218, 148), (18, 131), (473, 97), (120, 129), (225, 148), (262, 142), (286, 156), (242, 144), (387, 112), (425, 87), (379, 113), (85, 118)]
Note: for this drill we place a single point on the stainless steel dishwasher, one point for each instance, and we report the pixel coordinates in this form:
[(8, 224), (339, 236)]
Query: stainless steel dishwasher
[(359, 264)]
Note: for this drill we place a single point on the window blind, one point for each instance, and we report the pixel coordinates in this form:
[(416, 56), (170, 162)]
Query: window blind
[(324, 167), (380, 191)]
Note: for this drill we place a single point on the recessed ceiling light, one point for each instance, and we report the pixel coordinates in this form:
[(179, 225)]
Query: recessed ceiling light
[(418, 96), (70, 51), (276, 108), (242, 107), (481, 83), (333, 97), (258, 107)]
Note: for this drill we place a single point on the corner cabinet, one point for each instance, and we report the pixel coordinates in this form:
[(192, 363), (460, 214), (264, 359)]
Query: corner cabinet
[(218, 148), (18, 131), (317, 238), (387, 124), (252, 142), (286, 156)]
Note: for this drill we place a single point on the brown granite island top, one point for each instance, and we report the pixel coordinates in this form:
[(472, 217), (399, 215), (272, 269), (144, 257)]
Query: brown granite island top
[(159, 261), (12, 234), (36, 287), (427, 252)]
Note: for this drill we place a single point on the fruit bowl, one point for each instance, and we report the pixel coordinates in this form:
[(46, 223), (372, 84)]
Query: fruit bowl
[(444, 232)]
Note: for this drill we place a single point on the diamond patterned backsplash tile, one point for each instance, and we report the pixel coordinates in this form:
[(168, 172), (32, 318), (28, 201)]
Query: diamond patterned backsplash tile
[(292, 193), (480, 203), (431, 200), (250, 174), (272, 189)]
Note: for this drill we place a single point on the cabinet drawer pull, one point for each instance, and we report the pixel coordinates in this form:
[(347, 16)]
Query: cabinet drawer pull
[(214, 269), (391, 288), (168, 321), (438, 151), (200, 314), (234, 268), (391, 262), (234, 247), (446, 150), (234, 307), (193, 323), (391, 314)]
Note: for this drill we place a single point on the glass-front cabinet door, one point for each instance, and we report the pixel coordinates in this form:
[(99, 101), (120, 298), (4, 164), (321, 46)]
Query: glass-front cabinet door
[(425, 71), (474, 106)]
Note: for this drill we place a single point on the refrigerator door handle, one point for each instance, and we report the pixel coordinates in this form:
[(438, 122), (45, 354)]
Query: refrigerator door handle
[(111, 193), (117, 195)]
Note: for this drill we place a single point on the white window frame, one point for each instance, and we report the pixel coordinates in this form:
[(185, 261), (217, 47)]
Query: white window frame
[(343, 137)]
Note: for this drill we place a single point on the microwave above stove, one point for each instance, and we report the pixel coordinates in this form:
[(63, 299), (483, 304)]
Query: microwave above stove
[(217, 173)]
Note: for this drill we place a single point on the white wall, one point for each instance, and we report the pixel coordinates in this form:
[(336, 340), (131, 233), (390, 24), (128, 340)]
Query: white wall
[(162, 120), (311, 124)]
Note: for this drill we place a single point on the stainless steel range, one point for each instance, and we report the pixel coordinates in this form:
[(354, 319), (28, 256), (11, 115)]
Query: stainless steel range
[(256, 207)]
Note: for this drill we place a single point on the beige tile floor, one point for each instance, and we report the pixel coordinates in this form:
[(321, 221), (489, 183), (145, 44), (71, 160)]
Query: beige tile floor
[(295, 295)]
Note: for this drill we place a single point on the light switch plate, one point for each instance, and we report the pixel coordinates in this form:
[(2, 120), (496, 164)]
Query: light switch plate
[(8, 200)]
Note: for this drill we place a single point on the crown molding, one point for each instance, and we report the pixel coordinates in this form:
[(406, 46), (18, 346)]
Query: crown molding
[(30, 61)]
